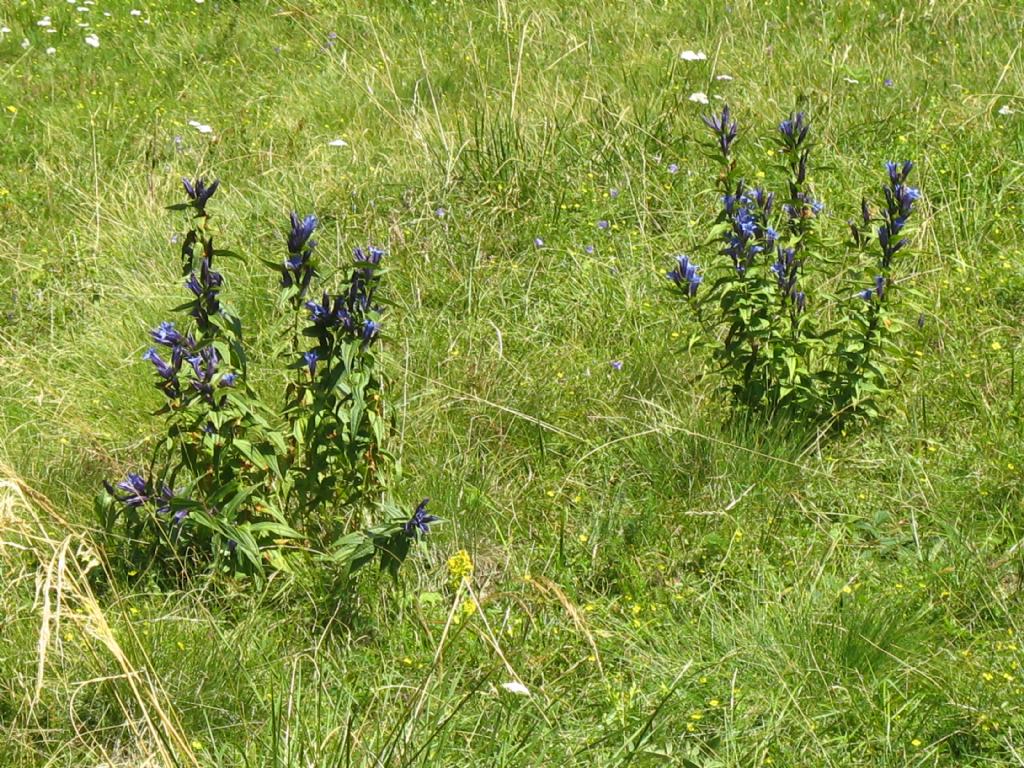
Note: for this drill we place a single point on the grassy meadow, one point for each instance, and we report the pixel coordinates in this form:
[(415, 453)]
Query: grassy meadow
[(667, 590)]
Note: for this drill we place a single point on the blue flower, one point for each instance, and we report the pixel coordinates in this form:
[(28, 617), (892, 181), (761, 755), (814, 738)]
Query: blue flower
[(794, 130), (310, 359), (898, 172), (301, 231), (800, 300), (205, 287), (420, 520), (371, 255), (163, 369), (538, 242), (686, 275), (673, 168), (616, 364), (137, 490), (370, 330), (724, 131), (603, 224), (199, 193), (167, 335), (228, 379)]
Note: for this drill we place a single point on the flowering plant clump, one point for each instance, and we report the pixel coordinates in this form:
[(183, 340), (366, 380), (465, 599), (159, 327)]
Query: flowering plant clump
[(247, 485), (774, 359)]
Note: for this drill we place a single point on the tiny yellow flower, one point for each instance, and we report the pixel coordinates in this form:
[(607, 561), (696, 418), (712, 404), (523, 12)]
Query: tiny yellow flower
[(915, 742), (996, 346)]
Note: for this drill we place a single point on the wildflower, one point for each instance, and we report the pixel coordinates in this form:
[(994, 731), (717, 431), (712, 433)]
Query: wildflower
[(673, 168), (589, 249), (137, 490), (794, 131), (370, 331), (693, 56), (301, 230), (169, 336), (92, 40), (616, 364), (685, 275), (723, 130), (337, 143), (888, 83), (613, 193), (204, 365), (516, 687), (800, 301), (168, 372), (1005, 110), (371, 255), (310, 359), (699, 97), (440, 213), (205, 287), (199, 193), (228, 380), (298, 269), (420, 520), (723, 77), (603, 224), (538, 243), (460, 566), (50, 51)]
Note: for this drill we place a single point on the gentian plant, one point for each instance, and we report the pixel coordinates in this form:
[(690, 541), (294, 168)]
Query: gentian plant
[(247, 485), (773, 357)]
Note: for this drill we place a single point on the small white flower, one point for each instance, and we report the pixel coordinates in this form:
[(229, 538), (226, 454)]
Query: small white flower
[(83, 24), (4, 30), (1005, 110), (108, 14), (135, 12), (723, 77), (699, 97), (82, 9), (851, 80), (25, 43), (50, 51), (516, 687), (201, 127), (44, 22), (92, 40), (337, 143), (693, 56)]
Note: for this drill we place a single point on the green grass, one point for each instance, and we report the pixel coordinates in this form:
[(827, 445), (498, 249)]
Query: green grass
[(671, 592)]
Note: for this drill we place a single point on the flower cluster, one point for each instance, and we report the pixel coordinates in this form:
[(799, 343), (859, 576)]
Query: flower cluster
[(298, 269), (204, 362), (899, 204), (749, 233), (349, 315), (420, 521), (205, 288), (137, 492), (199, 193), (686, 276), (878, 291), (724, 130)]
